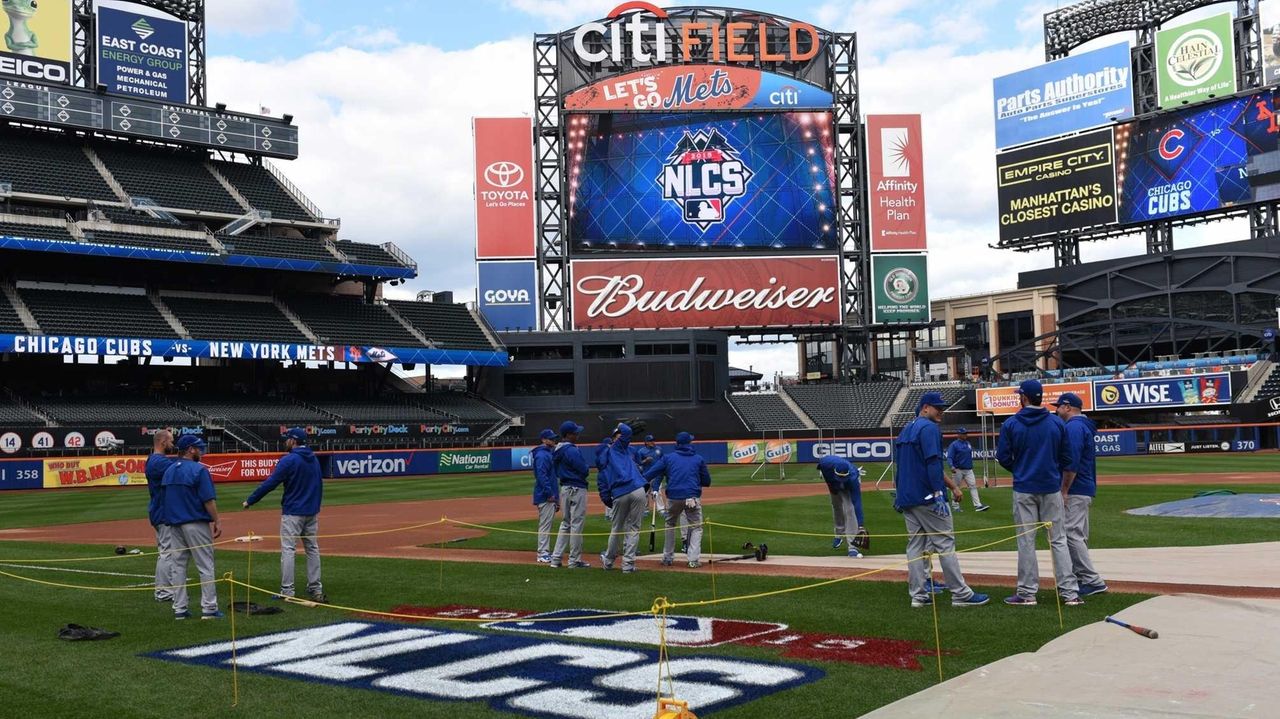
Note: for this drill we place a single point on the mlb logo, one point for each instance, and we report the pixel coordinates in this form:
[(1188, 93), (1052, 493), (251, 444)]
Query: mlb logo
[(709, 210)]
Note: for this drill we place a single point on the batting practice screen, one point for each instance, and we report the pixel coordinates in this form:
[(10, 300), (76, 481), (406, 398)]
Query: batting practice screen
[(643, 181)]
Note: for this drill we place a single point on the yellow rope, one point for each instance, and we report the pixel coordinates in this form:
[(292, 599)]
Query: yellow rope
[(60, 585), (882, 536), (230, 578), (937, 634)]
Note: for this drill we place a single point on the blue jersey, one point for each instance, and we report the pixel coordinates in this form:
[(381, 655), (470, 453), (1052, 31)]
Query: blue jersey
[(619, 474), (832, 469), (645, 457), (303, 486), (1080, 456), (187, 486), (685, 470), (960, 454), (918, 479), (545, 487), (157, 463), (1033, 446), (571, 468)]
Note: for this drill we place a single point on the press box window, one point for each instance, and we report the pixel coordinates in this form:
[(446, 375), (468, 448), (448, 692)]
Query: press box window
[(659, 350), (543, 352), (538, 384), (611, 351)]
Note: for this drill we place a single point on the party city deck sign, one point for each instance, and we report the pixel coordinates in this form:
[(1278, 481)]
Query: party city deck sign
[(528, 676)]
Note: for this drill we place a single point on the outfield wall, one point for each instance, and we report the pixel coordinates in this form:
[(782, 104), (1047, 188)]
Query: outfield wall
[(116, 470)]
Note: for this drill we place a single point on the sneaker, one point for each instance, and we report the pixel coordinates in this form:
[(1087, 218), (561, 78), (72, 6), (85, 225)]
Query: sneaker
[(555, 564), (319, 597), (926, 602), (215, 614), (628, 570), (974, 600), (684, 546), (170, 599), (282, 597), (1088, 589), (955, 507), (605, 564), (665, 562), (982, 508), (182, 615), (935, 587), (579, 565), (1018, 600), (837, 542), (544, 559), (855, 554), (1073, 602), (695, 565)]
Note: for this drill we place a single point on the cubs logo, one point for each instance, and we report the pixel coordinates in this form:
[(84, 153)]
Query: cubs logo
[(703, 175)]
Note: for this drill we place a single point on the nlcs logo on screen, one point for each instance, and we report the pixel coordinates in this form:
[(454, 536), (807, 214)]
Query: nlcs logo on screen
[(703, 175)]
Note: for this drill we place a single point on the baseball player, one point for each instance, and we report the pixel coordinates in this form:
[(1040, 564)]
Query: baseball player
[(960, 458), (921, 497), (686, 474), (1079, 487), (157, 463), (602, 452), (1033, 446), (546, 491), (646, 456), (299, 470), (572, 471), (190, 508), (622, 487), (845, 487)]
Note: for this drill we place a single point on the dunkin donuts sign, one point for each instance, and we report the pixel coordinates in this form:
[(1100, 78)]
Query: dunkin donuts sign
[(711, 292)]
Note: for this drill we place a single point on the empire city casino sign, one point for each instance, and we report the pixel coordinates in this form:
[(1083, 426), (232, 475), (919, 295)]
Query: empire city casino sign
[(645, 24)]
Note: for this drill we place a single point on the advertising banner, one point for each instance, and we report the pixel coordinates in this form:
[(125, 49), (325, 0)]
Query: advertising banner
[(504, 188), (21, 474), (899, 289), (1195, 62), (127, 347), (1197, 160), (473, 460), (1004, 400), (1061, 185), (712, 292), (141, 52), (744, 452), (1159, 392), (1269, 18), (702, 180), (241, 467), (895, 156), (380, 464), (699, 87), (508, 294), (1064, 96), (37, 40), (1115, 444), (854, 450), (94, 471)]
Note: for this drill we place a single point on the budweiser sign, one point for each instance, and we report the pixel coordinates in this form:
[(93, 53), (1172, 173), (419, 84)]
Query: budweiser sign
[(711, 292)]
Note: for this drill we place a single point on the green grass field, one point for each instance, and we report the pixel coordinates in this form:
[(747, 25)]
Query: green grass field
[(43, 677)]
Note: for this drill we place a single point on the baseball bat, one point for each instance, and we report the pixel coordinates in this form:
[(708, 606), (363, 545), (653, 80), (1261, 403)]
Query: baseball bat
[(653, 524), (1148, 633)]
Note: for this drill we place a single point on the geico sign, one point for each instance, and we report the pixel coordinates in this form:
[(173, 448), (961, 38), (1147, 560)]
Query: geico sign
[(33, 68), (703, 41), (854, 450)]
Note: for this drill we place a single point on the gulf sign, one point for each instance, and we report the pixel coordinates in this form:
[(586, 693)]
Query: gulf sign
[(504, 188), (1157, 392), (699, 87), (727, 293), (895, 158), (1004, 400), (638, 32)]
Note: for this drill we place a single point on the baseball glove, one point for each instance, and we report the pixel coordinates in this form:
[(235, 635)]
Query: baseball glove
[(862, 540)]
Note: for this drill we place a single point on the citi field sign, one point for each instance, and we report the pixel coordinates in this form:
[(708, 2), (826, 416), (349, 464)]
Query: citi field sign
[(639, 32)]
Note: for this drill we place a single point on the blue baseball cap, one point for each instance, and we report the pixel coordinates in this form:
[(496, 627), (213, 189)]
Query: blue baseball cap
[(187, 441), (847, 468), (648, 438), (684, 438), (932, 399), (962, 430), (1071, 399), (570, 427), (296, 434), (1031, 388), (546, 434)]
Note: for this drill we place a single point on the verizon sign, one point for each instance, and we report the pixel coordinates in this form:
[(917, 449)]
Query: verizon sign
[(706, 292), (504, 188)]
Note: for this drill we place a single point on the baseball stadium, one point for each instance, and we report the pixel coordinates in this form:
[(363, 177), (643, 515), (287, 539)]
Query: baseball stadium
[(562, 495)]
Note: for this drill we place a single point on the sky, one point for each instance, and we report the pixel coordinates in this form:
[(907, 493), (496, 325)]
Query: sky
[(384, 91)]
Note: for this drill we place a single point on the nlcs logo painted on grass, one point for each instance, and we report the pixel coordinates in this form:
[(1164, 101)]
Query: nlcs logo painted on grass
[(515, 674)]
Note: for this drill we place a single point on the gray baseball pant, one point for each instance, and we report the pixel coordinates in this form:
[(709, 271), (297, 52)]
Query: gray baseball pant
[(193, 540), (1078, 540), (571, 525), (846, 520), (292, 528), (628, 512), (928, 532), (546, 517), (1030, 509), (966, 476), (164, 563), (692, 510)]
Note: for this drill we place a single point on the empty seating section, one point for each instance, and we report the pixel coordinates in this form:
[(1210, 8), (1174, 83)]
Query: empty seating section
[(95, 314), (10, 323), (211, 319), (50, 166), (172, 179), (846, 406), (766, 411), (160, 242), (39, 232), (462, 406), (366, 254), (255, 410), (349, 320), (292, 248), (111, 410), (450, 326), (263, 192), (130, 217), (11, 413), (1271, 387), (950, 394), (388, 410)]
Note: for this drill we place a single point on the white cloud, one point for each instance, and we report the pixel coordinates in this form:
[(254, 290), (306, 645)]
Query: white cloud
[(250, 17), (362, 36), (567, 12)]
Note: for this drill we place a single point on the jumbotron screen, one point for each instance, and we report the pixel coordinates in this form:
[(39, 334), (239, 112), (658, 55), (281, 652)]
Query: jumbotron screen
[(716, 181)]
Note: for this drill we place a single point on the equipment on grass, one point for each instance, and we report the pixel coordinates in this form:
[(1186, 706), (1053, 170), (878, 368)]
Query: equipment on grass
[(1148, 633), (120, 549), (254, 608), (669, 708), (79, 633), (862, 540), (653, 523), (759, 554)]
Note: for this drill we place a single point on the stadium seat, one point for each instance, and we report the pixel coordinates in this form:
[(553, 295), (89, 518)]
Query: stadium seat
[(10, 323), (449, 326), (211, 319), (261, 245), (462, 406), (765, 411), (50, 164), (155, 242), (254, 410), (349, 320), (173, 179), (261, 189), (367, 254), (15, 414), (119, 410), (384, 410), (95, 314), (845, 406), (951, 393), (40, 232)]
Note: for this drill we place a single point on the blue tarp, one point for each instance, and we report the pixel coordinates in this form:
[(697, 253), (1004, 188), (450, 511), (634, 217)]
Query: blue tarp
[(1217, 506)]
